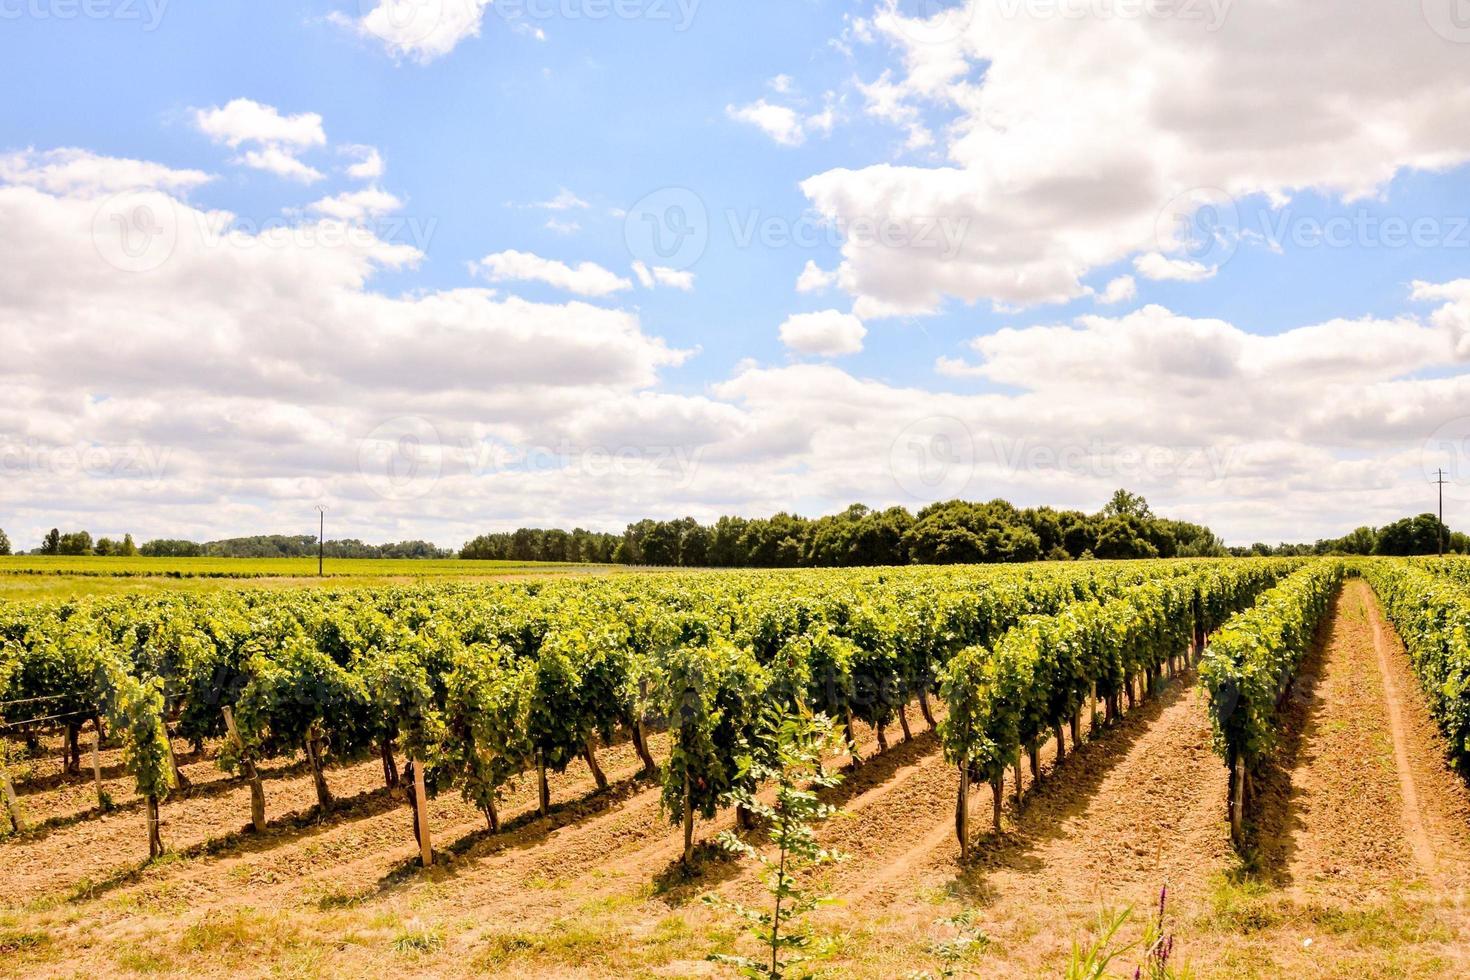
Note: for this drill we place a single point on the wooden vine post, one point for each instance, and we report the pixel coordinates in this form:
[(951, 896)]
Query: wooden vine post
[(543, 791), (155, 839), (247, 766), (12, 804), (180, 780), (97, 768), (1237, 801), (962, 811), (421, 813), (688, 818)]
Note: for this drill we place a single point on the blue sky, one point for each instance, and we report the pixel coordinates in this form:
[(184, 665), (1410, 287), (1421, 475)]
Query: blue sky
[(1057, 145)]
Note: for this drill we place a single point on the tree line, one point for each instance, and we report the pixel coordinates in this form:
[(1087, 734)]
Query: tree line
[(81, 543), (1421, 535), (949, 533)]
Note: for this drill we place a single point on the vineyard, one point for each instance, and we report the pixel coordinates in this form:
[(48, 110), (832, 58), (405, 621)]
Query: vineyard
[(527, 702)]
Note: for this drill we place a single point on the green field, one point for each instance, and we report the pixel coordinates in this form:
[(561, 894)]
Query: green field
[(25, 577)]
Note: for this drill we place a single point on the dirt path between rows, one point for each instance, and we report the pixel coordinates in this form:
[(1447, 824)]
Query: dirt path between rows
[(1355, 816)]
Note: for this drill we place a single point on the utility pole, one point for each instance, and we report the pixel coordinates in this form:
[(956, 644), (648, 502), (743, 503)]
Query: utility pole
[(1439, 531), (321, 537)]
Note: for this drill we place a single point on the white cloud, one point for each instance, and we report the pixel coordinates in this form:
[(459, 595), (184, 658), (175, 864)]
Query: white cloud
[(275, 140), (1160, 267), (1061, 155), (663, 276), (562, 226), (779, 122), (355, 206), (247, 357), (1119, 290), (814, 279), (1454, 316), (784, 124), (68, 171), (369, 165), (829, 333), (564, 200), (251, 370), (273, 159), (422, 30), (585, 279), (247, 121)]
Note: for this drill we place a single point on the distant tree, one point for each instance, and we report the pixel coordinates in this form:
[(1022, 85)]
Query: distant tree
[(726, 549), (75, 543), (694, 544), (4, 542), (1420, 535), (127, 549), (1124, 535), (1127, 504), (171, 548), (51, 544), (104, 547)]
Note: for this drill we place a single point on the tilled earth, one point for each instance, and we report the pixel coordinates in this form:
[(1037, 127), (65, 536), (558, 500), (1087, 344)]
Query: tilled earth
[(1362, 858)]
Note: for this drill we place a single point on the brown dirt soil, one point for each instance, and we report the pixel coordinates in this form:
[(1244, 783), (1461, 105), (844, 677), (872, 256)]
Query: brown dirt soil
[(1339, 888)]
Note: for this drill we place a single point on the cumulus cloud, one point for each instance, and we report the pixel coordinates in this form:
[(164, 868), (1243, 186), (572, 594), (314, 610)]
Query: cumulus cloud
[(814, 279), (1119, 290), (829, 333), (275, 160), (369, 165), (72, 171), (779, 122), (419, 30), (273, 141), (784, 124), (255, 374), (564, 200), (1160, 267), (584, 279), (357, 205), (658, 275), (1067, 138), (252, 369), (247, 121)]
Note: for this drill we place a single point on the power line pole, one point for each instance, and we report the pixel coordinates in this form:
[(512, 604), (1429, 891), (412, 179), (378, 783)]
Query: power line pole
[(1439, 531), (321, 536)]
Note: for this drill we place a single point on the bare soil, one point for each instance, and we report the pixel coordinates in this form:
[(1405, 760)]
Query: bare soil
[(1362, 860)]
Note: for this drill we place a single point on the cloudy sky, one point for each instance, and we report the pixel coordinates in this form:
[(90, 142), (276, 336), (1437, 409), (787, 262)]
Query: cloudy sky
[(446, 266)]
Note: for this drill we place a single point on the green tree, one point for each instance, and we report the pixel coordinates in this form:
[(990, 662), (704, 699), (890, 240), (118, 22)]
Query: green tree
[(51, 544), (1126, 504), (75, 543), (1420, 535), (788, 751), (4, 542)]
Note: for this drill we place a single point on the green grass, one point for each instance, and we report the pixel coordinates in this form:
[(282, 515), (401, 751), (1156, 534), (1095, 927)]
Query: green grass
[(32, 578), (270, 567)]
